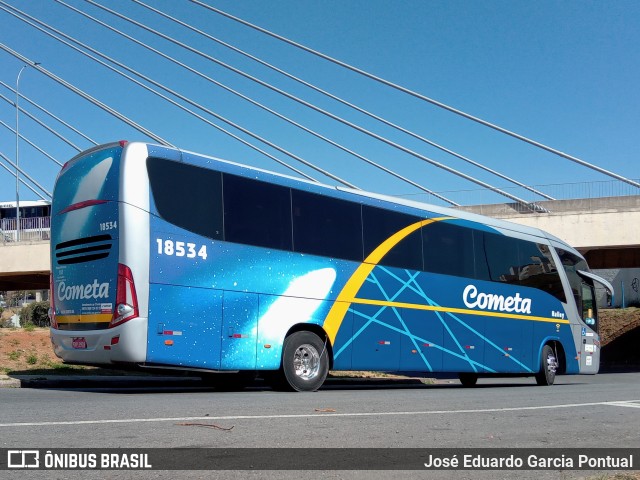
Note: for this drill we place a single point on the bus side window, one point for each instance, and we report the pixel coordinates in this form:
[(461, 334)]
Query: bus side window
[(448, 249), (326, 226), (257, 213), (502, 258), (379, 224), (589, 312)]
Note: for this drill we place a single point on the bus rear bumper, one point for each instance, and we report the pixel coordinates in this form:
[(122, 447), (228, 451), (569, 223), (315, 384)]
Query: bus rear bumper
[(125, 343)]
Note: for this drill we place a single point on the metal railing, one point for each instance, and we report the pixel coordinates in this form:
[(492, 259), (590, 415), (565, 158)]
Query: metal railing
[(32, 229), (560, 191)]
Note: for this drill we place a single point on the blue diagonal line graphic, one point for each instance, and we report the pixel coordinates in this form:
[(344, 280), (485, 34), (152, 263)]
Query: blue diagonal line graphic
[(404, 325), (420, 339), (471, 329), (372, 278)]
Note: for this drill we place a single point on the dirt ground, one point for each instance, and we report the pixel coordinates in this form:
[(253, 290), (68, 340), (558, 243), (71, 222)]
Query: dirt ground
[(26, 349), (617, 322), (30, 349)]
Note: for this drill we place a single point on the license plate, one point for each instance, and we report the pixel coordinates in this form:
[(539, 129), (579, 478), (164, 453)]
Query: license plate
[(79, 343)]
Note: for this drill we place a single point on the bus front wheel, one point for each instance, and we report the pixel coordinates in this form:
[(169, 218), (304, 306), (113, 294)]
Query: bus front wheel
[(548, 367), (305, 362)]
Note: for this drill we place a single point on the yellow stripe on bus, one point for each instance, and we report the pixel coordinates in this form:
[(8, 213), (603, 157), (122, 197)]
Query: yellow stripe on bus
[(93, 318), (348, 293), (460, 311)]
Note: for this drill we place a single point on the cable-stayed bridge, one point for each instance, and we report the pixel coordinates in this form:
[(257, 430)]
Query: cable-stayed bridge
[(79, 73)]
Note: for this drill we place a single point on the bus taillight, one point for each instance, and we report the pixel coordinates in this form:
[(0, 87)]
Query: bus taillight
[(126, 298)]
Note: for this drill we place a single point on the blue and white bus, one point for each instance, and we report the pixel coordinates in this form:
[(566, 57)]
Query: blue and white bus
[(169, 259)]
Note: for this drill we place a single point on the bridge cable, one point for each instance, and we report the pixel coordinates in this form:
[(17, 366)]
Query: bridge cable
[(320, 110), (173, 102), (264, 107), (193, 103), (84, 95), (28, 177), (41, 108), (43, 125), (12, 172), (344, 102), (12, 130), (419, 95)]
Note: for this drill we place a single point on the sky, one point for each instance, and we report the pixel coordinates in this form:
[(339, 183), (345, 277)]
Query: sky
[(564, 74)]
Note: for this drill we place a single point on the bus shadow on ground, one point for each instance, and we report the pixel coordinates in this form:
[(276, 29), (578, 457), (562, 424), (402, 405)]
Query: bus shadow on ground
[(159, 384)]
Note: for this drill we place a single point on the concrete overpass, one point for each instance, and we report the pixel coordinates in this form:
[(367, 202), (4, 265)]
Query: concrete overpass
[(24, 266), (605, 230)]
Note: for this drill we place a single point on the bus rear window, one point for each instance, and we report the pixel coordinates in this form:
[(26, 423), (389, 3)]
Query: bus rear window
[(90, 178)]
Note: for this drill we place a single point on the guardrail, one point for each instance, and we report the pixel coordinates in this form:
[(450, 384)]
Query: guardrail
[(32, 229)]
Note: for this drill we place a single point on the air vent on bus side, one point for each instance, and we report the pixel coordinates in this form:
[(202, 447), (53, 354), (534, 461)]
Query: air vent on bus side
[(83, 249)]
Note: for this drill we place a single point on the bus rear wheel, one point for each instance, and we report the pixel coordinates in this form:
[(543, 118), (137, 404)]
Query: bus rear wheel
[(548, 367), (305, 362)]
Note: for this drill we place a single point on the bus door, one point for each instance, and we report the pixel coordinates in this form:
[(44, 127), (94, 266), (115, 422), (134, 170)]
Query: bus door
[(590, 341), (588, 310)]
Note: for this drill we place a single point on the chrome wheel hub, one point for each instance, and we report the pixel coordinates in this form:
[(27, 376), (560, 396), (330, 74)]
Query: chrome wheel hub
[(552, 364), (306, 362)]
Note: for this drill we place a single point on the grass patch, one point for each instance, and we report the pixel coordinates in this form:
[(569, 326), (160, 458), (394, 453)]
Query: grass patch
[(15, 355)]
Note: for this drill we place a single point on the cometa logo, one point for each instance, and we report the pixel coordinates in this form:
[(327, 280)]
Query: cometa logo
[(492, 301), (81, 292)]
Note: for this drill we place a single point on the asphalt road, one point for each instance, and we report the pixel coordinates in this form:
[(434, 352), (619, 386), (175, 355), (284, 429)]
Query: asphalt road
[(577, 412)]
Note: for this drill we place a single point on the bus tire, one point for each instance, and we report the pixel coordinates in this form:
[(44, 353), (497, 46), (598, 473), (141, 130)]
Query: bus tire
[(468, 379), (548, 367), (305, 362)]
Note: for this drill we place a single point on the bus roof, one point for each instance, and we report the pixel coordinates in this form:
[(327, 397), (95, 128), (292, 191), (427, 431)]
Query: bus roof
[(344, 192), (445, 211)]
